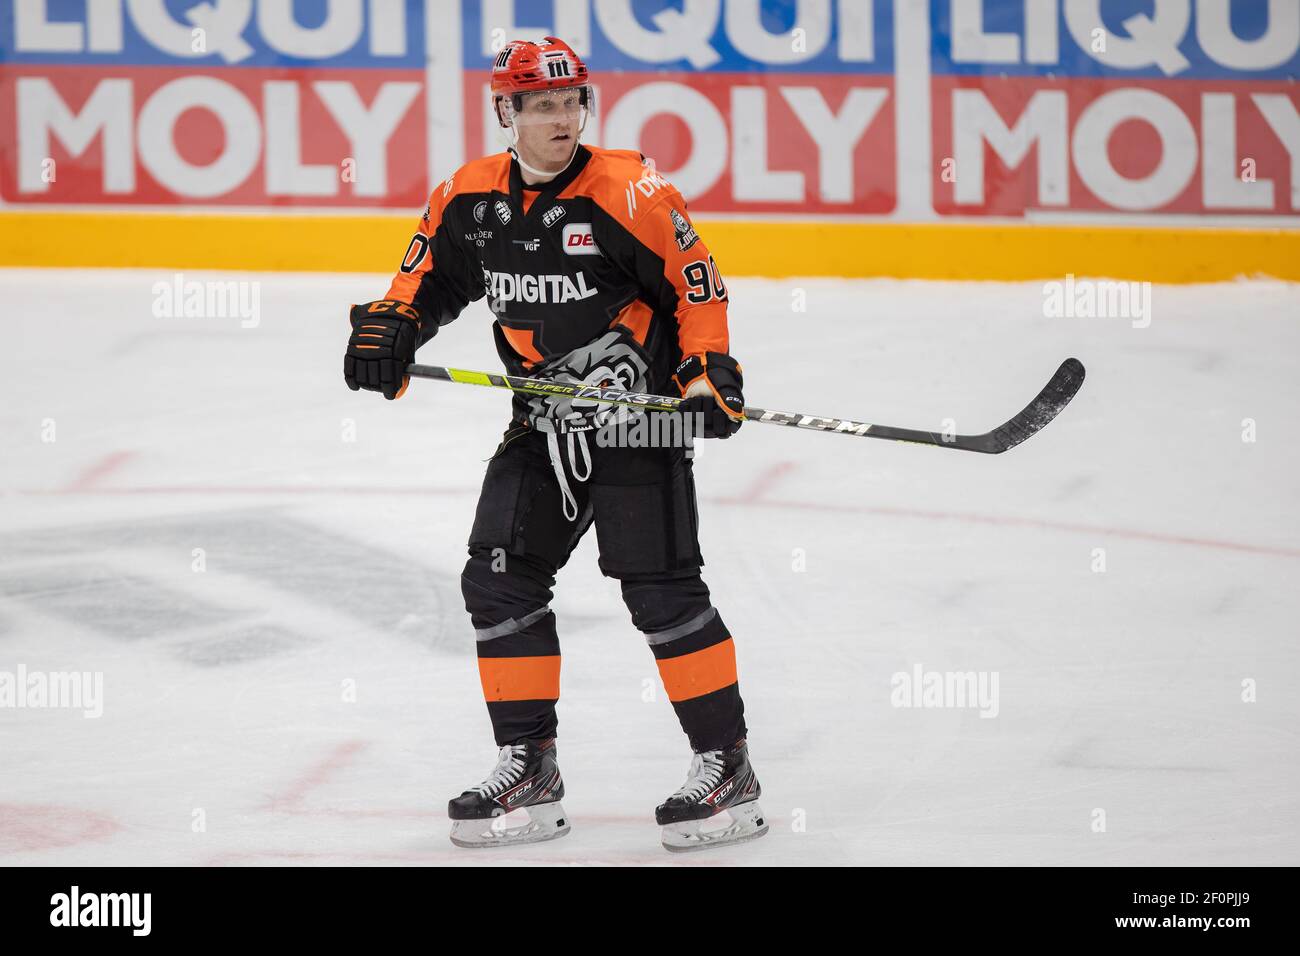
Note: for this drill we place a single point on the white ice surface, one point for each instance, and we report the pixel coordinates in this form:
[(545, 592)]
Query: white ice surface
[(330, 561)]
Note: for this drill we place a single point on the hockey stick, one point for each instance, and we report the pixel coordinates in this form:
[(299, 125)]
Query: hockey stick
[(1046, 406)]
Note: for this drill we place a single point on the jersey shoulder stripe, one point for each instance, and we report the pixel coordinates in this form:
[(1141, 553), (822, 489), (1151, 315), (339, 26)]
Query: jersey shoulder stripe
[(624, 184), (485, 175), (477, 176), (433, 247)]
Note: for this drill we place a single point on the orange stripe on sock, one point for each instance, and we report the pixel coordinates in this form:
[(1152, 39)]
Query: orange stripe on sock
[(700, 672), (520, 678)]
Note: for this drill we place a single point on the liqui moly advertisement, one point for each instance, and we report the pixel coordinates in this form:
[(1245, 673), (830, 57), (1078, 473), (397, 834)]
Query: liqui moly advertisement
[(904, 109), (1165, 106)]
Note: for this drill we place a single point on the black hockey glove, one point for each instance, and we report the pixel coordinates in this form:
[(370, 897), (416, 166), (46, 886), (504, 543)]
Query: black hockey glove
[(384, 336), (711, 384)]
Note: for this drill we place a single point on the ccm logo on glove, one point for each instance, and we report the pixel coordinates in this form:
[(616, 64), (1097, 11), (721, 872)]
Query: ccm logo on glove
[(384, 337), (712, 385)]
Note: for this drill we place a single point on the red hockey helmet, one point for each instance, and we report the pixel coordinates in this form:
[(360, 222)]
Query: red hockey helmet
[(526, 67)]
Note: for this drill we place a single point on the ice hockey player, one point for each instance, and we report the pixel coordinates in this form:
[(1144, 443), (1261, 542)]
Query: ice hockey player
[(595, 274)]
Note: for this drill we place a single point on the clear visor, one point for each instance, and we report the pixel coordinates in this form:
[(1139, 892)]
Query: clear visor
[(564, 107)]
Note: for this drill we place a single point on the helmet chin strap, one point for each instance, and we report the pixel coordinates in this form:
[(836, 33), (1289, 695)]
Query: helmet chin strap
[(512, 140), (542, 172)]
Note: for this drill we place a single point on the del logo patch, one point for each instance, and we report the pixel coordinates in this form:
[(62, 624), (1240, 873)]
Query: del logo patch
[(578, 240)]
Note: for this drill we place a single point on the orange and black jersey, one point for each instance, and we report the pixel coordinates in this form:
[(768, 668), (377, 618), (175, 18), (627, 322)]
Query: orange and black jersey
[(606, 242)]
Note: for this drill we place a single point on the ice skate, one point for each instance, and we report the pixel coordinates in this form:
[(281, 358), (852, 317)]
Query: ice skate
[(716, 806), (526, 777)]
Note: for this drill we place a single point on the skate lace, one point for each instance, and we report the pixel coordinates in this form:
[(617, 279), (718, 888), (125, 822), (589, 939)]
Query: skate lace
[(510, 764), (705, 775)]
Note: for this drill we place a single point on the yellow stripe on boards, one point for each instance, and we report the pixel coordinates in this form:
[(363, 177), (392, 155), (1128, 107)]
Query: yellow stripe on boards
[(240, 242), (375, 243), (1001, 252)]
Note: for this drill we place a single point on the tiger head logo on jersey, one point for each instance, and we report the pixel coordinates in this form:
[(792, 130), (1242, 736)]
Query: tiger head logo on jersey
[(613, 360), (686, 234)]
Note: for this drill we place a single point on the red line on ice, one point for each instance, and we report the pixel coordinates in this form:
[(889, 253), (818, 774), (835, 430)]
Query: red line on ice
[(317, 775), (96, 472), (250, 490), (750, 497), (1023, 523), (43, 826), (497, 854), (761, 484)]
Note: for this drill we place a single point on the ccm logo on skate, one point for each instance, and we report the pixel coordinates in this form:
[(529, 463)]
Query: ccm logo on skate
[(523, 789), (578, 240)]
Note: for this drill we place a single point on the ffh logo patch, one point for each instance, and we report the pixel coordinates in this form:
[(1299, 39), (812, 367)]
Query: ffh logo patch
[(503, 212), (552, 216)]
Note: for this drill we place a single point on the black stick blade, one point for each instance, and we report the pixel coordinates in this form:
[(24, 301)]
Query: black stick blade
[(1055, 395)]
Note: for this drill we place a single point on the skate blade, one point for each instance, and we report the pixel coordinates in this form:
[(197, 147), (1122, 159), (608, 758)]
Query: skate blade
[(546, 821), (747, 823)]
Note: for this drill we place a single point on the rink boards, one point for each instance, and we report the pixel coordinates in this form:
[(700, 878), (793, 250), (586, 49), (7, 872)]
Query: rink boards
[(931, 138), (776, 249)]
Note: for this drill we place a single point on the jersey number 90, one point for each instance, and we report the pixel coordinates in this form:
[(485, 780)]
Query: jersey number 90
[(705, 281)]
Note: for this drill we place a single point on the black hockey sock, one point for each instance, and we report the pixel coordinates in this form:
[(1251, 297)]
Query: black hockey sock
[(699, 675)]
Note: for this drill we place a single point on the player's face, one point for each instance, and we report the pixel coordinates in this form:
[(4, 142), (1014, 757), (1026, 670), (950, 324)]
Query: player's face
[(547, 124)]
